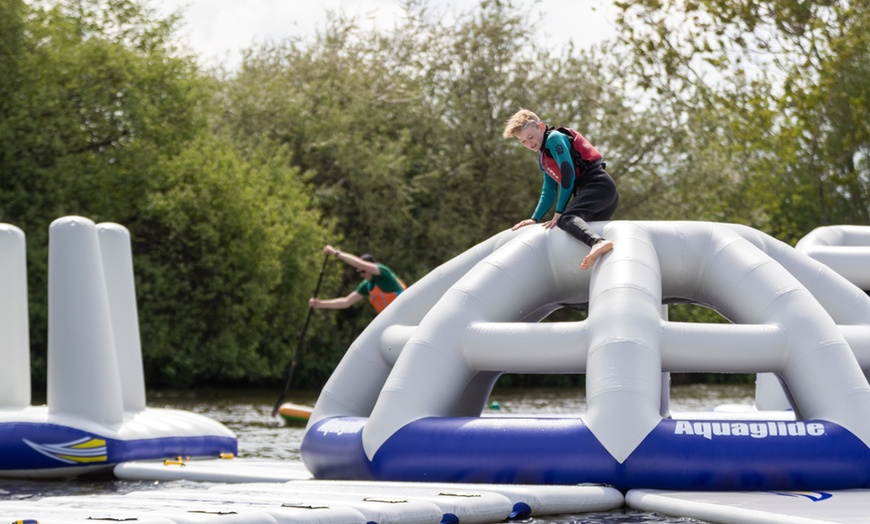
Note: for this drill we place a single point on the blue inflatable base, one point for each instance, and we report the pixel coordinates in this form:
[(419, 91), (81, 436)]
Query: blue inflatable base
[(28, 446), (676, 455)]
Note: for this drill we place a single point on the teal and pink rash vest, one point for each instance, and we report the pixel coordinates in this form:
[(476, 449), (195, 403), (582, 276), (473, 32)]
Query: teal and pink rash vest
[(564, 158)]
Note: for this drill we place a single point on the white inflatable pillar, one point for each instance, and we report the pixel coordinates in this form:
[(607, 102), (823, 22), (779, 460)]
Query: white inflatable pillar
[(83, 376), (624, 374), (117, 259), (14, 336)]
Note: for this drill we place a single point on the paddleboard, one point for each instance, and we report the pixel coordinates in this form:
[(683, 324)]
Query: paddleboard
[(213, 470), (295, 413)]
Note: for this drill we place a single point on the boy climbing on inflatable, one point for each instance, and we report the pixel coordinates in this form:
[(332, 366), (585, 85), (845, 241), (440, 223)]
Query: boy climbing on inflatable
[(574, 177), (380, 284)]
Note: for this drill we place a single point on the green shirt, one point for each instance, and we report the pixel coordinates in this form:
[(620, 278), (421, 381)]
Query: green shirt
[(387, 281)]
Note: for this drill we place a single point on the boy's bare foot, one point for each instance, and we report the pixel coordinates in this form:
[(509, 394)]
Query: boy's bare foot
[(600, 247)]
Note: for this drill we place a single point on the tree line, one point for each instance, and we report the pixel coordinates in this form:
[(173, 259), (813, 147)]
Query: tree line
[(389, 142)]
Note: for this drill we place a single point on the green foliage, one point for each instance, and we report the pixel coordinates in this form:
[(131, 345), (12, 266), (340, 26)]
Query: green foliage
[(11, 38), (104, 118), (390, 142), (87, 114), (231, 231), (773, 96)]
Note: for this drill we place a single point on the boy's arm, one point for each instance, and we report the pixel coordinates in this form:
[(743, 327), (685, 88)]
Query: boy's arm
[(548, 194)]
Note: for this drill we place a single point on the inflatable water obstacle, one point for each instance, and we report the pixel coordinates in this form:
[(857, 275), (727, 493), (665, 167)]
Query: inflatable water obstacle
[(810, 399), (405, 402), (798, 315), (96, 414)]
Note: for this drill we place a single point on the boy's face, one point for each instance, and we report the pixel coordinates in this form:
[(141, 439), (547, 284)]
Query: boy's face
[(531, 136)]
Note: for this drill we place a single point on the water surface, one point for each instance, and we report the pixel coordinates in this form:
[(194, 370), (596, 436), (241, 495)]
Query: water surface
[(248, 414)]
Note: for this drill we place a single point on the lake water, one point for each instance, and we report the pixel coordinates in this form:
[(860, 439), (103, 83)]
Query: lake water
[(248, 414)]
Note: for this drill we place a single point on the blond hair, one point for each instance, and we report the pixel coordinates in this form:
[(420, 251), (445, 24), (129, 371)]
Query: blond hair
[(518, 121)]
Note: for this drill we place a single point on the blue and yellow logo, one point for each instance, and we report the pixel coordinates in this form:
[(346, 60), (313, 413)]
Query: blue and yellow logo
[(85, 450), (815, 496)]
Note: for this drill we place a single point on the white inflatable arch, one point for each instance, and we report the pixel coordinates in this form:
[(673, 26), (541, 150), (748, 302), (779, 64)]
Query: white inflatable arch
[(436, 352)]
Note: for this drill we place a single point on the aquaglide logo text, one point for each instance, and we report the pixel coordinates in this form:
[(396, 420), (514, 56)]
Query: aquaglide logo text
[(709, 429), (342, 426)]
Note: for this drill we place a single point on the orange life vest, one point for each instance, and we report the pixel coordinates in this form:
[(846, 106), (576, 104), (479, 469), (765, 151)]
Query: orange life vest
[(380, 300)]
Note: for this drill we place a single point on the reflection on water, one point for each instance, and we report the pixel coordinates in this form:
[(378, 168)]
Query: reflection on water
[(248, 414)]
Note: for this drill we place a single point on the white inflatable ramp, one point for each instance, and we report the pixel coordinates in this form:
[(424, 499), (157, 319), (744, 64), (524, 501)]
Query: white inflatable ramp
[(758, 507), (283, 477), (201, 506), (193, 509), (320, 502), (83, 509), (455, 506), (527, 500), (467, 502), (212, 470)]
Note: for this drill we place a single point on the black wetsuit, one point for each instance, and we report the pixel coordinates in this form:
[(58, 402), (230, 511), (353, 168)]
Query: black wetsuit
[(572, 167)]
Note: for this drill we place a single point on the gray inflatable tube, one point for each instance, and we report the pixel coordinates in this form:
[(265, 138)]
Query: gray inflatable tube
[(424, 369)]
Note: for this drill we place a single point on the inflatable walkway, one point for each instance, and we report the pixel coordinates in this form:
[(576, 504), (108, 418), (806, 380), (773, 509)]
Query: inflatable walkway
[(95, 415), (405, 402)]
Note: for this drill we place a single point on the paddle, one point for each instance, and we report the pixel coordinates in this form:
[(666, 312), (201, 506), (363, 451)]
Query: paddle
[(301, 340)]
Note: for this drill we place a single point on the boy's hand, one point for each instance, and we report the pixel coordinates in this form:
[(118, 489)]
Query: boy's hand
[(550, 224), (524, 223)]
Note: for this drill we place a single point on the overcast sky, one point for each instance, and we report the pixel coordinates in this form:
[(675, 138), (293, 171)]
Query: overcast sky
[(217, 30)]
